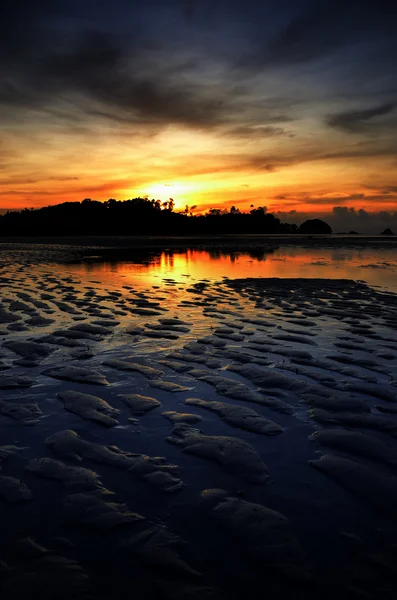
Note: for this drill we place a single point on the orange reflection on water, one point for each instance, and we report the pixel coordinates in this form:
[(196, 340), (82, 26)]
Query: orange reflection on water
[(376, 266)]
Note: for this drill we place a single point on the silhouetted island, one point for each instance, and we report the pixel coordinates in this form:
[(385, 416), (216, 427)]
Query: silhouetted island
[(141, 216), (314, 226), (387, 231)]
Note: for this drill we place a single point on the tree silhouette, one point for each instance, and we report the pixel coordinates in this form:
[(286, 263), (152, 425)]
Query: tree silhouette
[(138, 216)]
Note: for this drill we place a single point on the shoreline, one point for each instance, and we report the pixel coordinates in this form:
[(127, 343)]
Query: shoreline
[(226, 240)]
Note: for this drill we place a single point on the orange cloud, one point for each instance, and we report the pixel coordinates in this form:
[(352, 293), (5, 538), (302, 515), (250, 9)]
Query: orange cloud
[(204, 168)]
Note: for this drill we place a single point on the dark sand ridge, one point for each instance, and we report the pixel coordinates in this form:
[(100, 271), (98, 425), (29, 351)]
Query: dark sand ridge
[(110, 479), (232, 453), (238, 416), (154, 470), (14, 490), (264, 534), (89, 407)]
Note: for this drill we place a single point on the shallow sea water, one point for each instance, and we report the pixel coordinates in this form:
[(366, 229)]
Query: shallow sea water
[(291, 352), (376, 266)]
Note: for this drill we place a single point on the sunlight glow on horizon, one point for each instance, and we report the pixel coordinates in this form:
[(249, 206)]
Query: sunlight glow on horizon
[(51, 170), (177, 191), (284, 105)]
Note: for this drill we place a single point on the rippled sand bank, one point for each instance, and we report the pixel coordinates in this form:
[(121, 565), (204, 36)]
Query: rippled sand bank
[(197, 439)]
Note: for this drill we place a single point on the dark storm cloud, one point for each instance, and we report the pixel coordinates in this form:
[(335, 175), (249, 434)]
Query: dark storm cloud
[(73, 58), (259, 131), (320, 28), (97, 71), (20, 24), (172, 61), (356, 121), (305, 37), (364, 150)]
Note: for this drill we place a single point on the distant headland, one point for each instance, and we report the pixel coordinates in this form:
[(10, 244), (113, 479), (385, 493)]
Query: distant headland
[(141, 216)]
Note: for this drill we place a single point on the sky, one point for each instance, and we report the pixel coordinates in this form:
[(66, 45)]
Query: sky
[(288, 104)]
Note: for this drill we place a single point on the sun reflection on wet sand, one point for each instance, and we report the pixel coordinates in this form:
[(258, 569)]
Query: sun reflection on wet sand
[(375, 266)]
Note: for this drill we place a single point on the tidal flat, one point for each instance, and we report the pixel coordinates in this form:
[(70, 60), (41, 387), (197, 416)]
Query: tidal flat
[(198, 423)]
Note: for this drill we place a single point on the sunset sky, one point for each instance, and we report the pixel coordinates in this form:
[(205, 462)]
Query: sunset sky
[(288, 104)]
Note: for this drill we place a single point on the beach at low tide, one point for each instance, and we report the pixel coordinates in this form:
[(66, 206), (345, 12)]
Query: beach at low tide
[(198, 423)]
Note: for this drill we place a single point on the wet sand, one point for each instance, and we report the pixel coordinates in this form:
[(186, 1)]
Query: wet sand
[(201, 438)]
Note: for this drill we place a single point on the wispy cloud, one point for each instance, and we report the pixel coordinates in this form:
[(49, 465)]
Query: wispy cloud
[(356, 121), (317, 29), (259, 131), (95, 71), (241, 93)]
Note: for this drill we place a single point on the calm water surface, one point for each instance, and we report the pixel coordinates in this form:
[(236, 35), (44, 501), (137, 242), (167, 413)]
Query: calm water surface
[(376, 266)]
